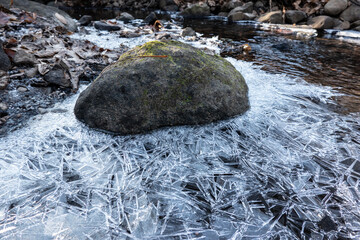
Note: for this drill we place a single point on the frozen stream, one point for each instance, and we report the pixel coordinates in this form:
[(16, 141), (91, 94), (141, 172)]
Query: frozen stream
[(287, 169)]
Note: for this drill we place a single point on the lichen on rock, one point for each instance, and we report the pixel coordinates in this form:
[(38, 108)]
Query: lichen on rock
[(162, 83)]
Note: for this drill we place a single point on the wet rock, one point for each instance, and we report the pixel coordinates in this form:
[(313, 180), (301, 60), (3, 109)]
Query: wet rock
[(106, 27), (351, 14), (198, 9), (237, 16), (168, 5), (51, 13), (342, 25), (23, 58), (188, 31), (335, 7), (184, 86), (85, 20), (126, 17), (355, 24), (150, 19), (246, 8), (5, 63), (294, 16), (321, 22), (356, 28), (4, 81), (58, 76), (272, 17), (249, 16), (231, 5)]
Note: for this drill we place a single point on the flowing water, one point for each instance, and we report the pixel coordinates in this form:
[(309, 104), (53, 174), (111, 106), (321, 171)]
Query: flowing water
[(287, 169)]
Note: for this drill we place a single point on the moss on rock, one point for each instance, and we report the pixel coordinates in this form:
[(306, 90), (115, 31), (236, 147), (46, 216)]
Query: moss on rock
[(162, 83)]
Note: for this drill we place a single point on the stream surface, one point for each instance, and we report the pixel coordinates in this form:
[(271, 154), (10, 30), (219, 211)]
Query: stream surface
[(287, 169)]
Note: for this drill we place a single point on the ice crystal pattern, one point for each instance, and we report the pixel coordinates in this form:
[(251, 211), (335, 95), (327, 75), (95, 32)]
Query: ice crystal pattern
[(287, 169)]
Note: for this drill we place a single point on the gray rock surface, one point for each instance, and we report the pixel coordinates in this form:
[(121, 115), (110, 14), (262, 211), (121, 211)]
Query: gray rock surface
[(199, 9), (24, 58), (188, 31), (236, 16), (335, 7), (5, 63), (321, 22), (272, 17), (294, 16), (351, 14), (54, 14), (59, 76), (105, 26), (246, 8), (180, 86), (85, 20), (124, 16)]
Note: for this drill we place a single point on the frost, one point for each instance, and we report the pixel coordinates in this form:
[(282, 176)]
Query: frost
[(289, 168)]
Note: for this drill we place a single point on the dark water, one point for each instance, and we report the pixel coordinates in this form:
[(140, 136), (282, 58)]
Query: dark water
[(329, 62)]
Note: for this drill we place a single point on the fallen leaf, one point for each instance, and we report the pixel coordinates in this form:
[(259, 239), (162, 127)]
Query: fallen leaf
[(9, 52)]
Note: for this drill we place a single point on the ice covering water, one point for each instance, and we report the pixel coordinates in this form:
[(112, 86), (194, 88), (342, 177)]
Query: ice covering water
[(287, 169)]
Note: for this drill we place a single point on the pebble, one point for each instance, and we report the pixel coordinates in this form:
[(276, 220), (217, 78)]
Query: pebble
[(22, 89)]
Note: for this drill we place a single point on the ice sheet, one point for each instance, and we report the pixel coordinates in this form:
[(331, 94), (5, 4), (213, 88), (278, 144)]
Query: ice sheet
[(287, 169)]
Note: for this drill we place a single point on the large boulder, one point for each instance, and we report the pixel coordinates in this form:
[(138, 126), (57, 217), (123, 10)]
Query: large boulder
[(162, 83), (54, 14)]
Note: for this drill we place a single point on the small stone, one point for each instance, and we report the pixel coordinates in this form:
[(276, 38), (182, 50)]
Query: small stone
[(246, 8), (249, 16), (58, 76), (236, 16), (42, 110), (3, 106), (342, 25), (272, 17), (198, 9), (351, 14), (294, 16), (30, 73), (356, 28), (335, 7), (126, 17), (106, 27), (23, 58), (231, 5), (321, 22), (5, 63), (22, 89), (85, 20), (188, 31), (355, 24), (4, 81), (150, 19)]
